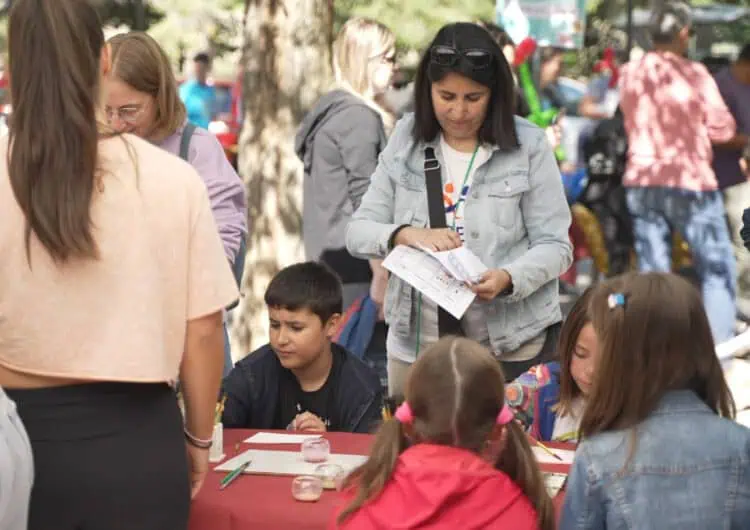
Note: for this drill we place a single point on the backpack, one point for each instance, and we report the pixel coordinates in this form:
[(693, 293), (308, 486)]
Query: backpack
[(187, 135), (239, 265), (605, 151)]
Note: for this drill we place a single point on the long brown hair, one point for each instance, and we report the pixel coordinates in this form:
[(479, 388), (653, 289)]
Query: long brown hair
[(55, 52), (139, 61), (566, 347), (657, 340), (455, 390)]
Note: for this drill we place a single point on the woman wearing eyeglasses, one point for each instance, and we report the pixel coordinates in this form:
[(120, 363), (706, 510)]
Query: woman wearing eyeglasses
[(502, 195), (142, 99)]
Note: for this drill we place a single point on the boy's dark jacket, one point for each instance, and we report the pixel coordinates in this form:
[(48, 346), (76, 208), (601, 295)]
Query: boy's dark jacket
[(252, 390)]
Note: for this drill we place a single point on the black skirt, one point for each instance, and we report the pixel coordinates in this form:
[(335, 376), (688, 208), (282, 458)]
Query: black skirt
[(107, 456)]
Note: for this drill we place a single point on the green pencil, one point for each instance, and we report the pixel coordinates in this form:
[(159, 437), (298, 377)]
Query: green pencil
[(226, 481)]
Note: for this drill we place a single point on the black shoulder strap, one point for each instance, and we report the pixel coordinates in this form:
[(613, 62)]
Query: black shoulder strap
[(187, 134), (434, 184), (447, 324)]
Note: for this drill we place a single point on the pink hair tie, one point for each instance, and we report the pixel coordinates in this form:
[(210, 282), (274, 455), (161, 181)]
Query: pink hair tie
[(404, 414), (505, 416)]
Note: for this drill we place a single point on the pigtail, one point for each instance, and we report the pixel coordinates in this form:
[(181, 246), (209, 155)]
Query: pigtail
[(370, 478), (517, 460)]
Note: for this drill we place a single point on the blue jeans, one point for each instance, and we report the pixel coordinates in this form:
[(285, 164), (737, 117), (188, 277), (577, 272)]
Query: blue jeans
[(699, 218)]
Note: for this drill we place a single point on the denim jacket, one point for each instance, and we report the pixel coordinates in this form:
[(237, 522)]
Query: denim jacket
[(690, 471), (516, 218)]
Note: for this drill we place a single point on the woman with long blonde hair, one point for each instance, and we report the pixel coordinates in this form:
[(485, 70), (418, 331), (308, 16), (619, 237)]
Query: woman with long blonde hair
[(339, 142)]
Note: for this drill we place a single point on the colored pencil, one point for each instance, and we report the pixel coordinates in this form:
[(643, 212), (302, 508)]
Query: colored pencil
[(226, 481), (546, 449)]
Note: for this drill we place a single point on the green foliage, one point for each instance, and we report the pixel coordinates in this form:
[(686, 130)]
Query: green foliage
[(414, 22), (201, 25), (125, 12)]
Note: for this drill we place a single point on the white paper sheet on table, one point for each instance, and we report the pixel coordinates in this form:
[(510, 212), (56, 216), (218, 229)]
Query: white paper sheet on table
[(428, 276), (734, 347), (286, 462), (554, 482), (544, 458), (279, 438)]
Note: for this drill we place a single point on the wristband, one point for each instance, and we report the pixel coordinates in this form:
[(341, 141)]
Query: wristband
[(197, 442)]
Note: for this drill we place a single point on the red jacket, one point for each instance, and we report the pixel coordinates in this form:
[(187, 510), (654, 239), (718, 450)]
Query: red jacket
[(440, 487)]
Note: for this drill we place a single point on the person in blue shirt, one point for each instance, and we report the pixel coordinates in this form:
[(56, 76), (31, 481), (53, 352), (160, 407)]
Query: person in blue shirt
[(198, 96)]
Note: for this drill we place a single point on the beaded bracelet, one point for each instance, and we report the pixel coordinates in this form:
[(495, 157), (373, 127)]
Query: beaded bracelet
[(197, 442)]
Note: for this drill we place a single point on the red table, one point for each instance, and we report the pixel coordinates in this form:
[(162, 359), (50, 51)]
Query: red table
[(265, 502)]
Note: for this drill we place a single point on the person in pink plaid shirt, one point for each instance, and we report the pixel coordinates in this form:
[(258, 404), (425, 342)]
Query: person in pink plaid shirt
[(673, 114)]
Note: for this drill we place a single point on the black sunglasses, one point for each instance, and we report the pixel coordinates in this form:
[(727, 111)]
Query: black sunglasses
[(449, 56)]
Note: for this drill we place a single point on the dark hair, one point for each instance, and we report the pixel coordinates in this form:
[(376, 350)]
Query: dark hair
[(55, 52), (310, 285), (566, 346), (744, 53), (499, 126), (548, 53), (746, 153), (202, 57), (498, 34), (668, 20), (455, 390), (657, 341)]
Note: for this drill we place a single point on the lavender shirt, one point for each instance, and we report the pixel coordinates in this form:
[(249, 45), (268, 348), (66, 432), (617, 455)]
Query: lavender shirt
[(225, 189)]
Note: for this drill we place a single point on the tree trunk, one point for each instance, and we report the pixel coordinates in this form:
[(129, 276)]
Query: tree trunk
[(287, 67)]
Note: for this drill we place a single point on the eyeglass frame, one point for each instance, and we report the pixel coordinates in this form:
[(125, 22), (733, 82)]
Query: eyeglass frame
[(386, 57), (138, 109), (457, 54)]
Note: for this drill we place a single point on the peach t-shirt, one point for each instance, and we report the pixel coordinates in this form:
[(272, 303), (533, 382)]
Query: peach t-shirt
[(122, 317)]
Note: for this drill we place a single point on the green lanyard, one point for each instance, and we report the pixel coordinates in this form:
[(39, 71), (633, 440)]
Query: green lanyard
[(463, 185), (453, 227)]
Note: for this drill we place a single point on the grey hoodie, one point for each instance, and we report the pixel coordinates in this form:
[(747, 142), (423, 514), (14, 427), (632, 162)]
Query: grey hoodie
[(338, 142)]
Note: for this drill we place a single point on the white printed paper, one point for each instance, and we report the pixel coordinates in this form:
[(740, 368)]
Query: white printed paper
[(460, 262), (428, 276), (279, 438)]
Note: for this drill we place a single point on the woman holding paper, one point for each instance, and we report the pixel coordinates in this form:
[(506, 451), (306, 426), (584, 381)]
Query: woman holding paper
[(503, 199)]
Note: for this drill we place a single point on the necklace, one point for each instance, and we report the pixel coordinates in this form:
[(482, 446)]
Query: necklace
[(461, 197)]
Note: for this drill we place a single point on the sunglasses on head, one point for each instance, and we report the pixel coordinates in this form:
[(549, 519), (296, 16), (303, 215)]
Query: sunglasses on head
[(449, 56)]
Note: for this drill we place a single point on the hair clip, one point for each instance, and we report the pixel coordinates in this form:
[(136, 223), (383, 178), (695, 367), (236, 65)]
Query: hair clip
[(616, 299), (505, 416), (404, 414)]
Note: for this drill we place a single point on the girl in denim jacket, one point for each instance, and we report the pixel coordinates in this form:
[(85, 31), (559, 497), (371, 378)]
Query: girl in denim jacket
[(549, 399), (659, 449)]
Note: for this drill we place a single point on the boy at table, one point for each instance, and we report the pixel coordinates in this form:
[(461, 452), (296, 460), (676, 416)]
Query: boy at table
[(301, 380)]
